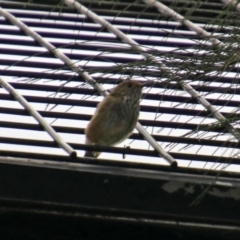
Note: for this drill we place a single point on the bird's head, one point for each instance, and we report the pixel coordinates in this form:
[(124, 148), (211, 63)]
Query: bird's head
[(128, 88)]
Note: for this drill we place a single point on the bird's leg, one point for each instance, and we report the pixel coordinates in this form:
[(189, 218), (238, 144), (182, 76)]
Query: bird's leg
[(124, 155)]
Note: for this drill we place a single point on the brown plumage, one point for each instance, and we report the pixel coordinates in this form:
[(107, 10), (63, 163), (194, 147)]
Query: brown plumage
[(115, 117)]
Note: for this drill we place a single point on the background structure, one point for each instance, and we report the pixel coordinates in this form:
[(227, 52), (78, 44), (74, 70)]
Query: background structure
[(56, 60)]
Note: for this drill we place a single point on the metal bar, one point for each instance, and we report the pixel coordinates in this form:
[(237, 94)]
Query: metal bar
[(38, 117), (168, 11), (76, 102), (233, 3), (122, 171)]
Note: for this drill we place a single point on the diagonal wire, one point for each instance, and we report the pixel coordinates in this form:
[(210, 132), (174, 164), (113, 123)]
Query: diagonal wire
[(215, 42), (135, 46), (68, 62), (233, 3), (23, 101), (38, 117), (190, 25)]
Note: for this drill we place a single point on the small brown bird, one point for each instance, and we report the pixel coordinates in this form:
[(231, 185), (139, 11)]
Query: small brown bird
[(115, 117)]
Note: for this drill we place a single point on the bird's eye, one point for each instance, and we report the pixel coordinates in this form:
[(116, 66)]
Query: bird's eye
[(129, 85)]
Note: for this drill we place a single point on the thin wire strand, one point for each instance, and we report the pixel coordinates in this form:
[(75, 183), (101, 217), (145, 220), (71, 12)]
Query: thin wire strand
[(190, 25)]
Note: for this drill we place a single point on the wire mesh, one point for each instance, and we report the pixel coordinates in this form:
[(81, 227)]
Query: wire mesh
[(176, 120)]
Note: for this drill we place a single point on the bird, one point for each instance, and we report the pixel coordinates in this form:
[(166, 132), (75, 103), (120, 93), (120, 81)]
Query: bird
[(115, 116)]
